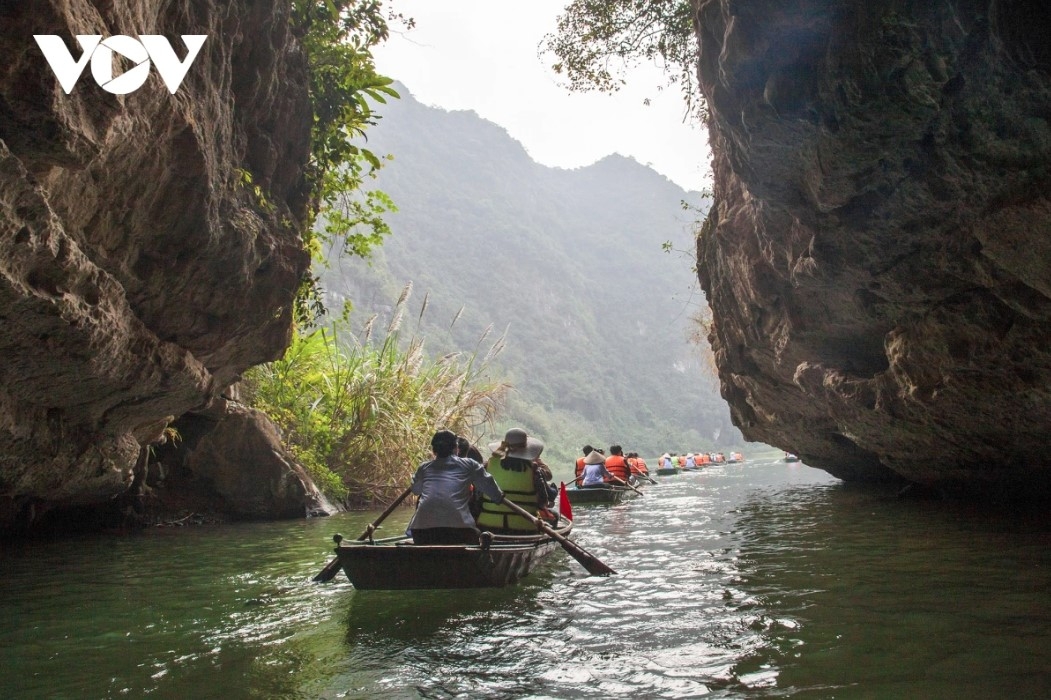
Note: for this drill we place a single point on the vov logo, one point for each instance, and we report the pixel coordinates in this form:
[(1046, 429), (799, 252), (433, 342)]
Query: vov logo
[(148, 47)]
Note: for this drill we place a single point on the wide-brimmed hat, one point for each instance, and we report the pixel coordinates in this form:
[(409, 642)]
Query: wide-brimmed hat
[(517, 443), (594, 458)]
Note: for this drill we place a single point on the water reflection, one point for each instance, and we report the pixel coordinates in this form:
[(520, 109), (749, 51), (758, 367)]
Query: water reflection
[(735, 582), (880, 597)]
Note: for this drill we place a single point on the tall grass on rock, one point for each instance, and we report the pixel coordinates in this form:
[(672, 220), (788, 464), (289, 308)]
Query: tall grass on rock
[(358, 412)]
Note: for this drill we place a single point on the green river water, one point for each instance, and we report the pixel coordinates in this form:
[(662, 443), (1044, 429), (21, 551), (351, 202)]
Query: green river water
[(763, 580)]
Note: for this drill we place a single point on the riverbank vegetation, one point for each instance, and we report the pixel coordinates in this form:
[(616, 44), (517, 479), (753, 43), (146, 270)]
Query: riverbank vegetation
[(357, 410)]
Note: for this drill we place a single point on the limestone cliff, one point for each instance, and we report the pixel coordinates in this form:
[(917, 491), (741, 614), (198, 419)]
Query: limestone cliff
[(878, 262), (139, 275)]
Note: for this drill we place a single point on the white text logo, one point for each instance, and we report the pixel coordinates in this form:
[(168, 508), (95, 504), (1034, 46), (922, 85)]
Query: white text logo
[(148, 47)]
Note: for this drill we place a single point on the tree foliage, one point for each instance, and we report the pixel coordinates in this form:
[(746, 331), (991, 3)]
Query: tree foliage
[(597, 40), (338, 37)]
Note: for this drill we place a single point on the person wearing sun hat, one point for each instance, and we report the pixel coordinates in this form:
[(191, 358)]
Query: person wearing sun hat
[(515, 464), (595, 472)]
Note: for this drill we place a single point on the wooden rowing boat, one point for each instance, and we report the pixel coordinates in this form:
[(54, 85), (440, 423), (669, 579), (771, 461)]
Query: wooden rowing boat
[(396, 563), (598, 494), (667, 471)]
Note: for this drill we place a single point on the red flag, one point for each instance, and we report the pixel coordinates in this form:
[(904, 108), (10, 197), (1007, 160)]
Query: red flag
[(563, 502)]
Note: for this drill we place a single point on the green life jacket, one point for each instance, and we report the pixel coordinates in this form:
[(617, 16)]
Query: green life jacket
[(517, 486)]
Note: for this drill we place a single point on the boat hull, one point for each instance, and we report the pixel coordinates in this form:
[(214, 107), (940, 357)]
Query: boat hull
[(606, 494), (396, 563), (667, 471)]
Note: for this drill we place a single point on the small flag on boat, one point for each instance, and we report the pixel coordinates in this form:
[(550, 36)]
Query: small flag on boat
[(564, 508)]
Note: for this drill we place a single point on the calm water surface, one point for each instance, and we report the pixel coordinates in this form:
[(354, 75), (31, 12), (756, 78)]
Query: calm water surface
[(764, 580)]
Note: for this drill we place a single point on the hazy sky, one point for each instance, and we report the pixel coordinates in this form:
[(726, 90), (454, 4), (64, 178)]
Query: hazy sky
[(482, 55)]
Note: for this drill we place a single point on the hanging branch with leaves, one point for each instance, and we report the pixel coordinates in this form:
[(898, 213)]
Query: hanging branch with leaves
[(338, 37)]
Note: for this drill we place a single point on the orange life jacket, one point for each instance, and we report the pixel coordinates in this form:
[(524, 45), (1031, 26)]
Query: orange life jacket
[(638, 466), (580, 468), (616, 466)]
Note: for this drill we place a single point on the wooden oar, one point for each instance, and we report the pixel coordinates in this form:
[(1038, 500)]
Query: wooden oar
[(618, 480), (594, 566), (647, 477), (332, 568)]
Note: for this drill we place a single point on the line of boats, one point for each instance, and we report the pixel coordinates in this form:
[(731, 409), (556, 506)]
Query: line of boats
[(397, 563)]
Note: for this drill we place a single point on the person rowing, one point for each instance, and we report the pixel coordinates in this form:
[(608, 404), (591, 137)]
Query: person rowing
[(443, 514)]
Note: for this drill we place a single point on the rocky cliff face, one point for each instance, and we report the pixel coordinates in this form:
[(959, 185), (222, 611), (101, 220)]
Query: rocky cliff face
[(139, 275), (878, 263)]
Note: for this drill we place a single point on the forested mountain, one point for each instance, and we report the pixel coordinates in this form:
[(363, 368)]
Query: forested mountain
[(569, 262)]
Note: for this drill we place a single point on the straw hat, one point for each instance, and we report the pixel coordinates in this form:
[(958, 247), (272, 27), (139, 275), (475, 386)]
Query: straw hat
[(594, 458), (517, 443)]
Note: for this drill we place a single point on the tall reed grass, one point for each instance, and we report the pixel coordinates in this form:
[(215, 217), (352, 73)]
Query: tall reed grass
[(358, 411)]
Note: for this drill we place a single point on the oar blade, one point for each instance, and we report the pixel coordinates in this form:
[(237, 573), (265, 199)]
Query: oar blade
[(328, 573), (332, 568), (592, 565)]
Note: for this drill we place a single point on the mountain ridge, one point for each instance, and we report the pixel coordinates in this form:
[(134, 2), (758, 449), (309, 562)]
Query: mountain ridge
[(571, 262)]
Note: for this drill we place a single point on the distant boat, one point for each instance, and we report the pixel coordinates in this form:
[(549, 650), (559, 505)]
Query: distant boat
[(789, 457), (667, 471), (395, 563)]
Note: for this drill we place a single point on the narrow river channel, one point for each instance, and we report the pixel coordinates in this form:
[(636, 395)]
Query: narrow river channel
[(762, 580)]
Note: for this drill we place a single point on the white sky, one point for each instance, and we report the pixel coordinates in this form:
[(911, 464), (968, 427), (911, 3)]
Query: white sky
[(482, 55)]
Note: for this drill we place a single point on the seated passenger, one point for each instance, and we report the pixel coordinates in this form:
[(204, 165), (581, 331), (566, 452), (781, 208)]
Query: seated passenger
[(638, 465), (595, 472), (516, 467), (578, 469), (617, 466), (443, 514)]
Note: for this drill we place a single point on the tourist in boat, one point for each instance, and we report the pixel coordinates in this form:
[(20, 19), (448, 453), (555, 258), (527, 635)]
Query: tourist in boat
[(595, 472), (637, 465), (617, 466), (443, 484), (516, 466), (579, 471), (464, 448), (690, 462)]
